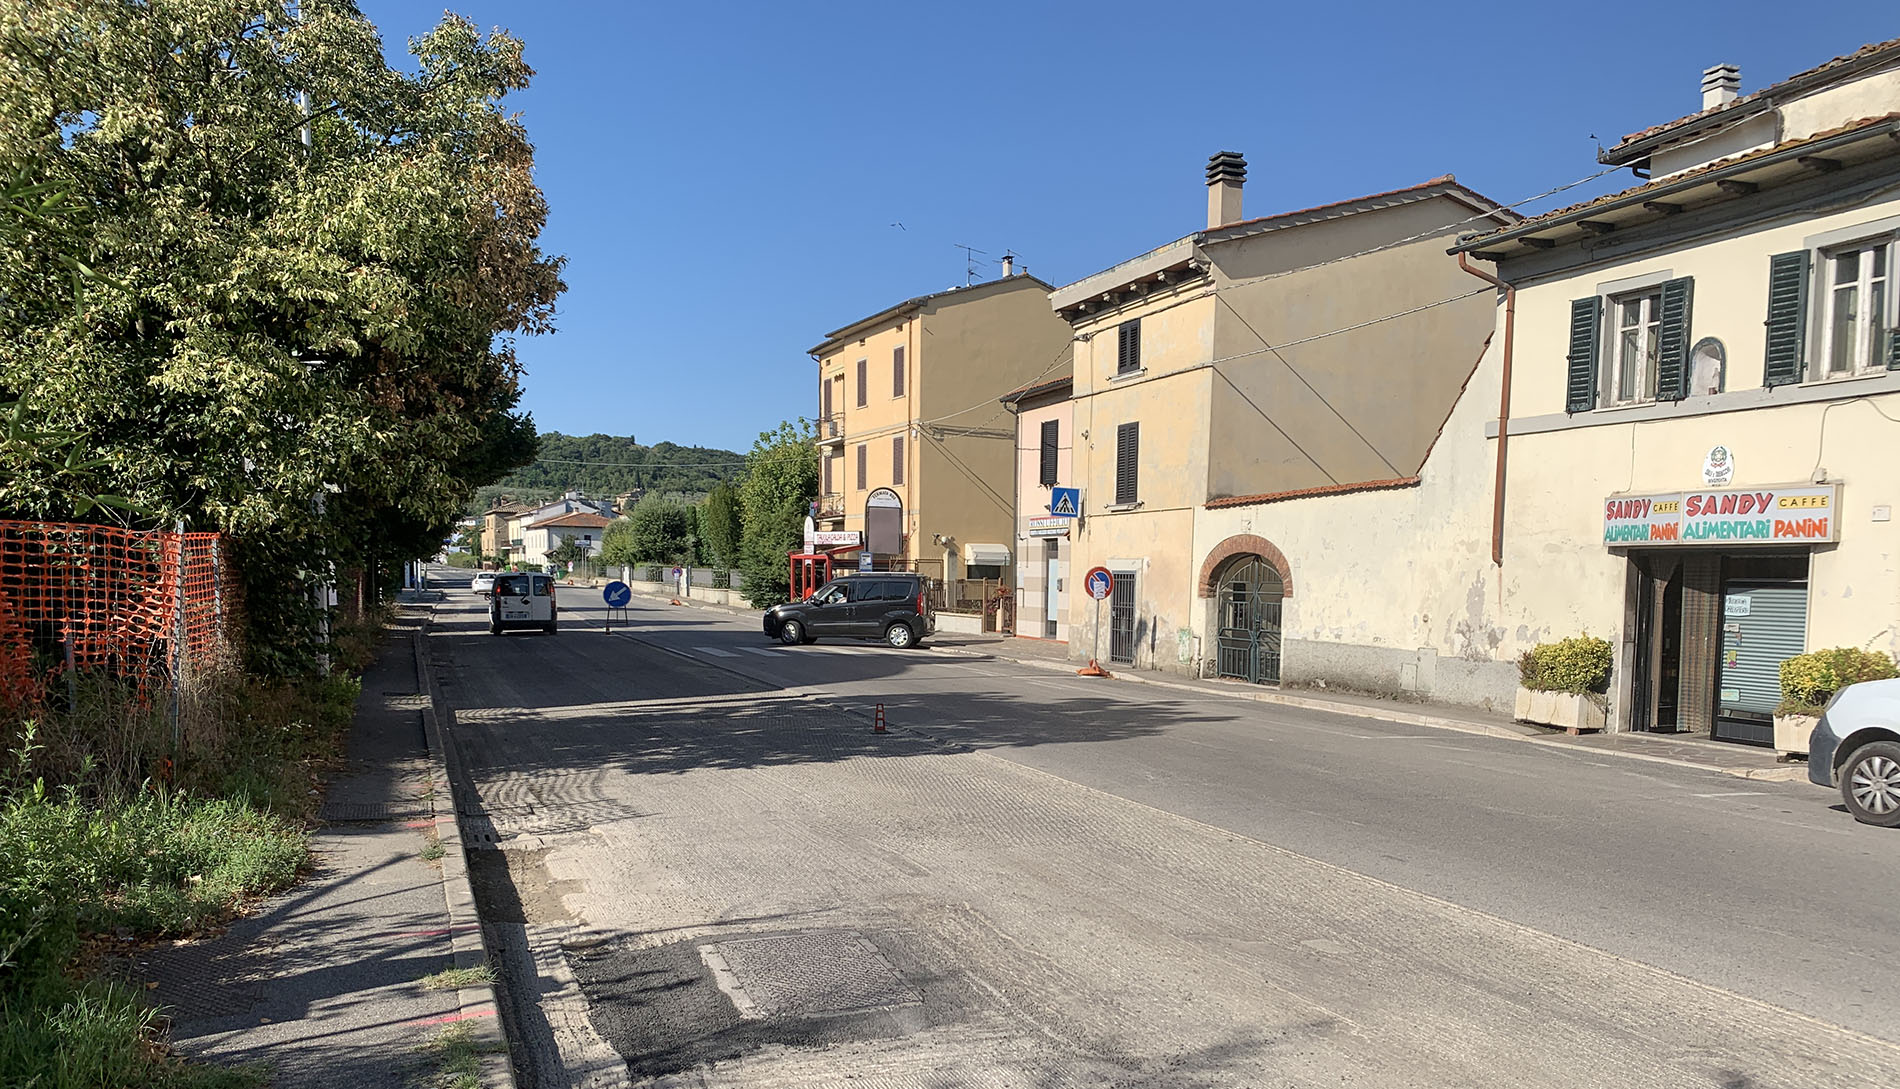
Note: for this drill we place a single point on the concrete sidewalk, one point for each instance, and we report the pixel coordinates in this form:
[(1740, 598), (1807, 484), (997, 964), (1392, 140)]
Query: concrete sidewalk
[(322, 985)]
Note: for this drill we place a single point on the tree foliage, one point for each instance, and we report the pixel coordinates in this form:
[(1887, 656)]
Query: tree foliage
[(721, 526), (610, 465), (267, 322), (781, 482), (657, 531)]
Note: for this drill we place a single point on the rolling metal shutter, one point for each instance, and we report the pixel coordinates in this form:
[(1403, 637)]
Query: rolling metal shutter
[(1763, 625)]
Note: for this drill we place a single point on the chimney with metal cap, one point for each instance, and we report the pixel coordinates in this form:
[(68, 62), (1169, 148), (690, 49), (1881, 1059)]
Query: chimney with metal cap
[(1009, 265), (1226, 173), (1721, 85)]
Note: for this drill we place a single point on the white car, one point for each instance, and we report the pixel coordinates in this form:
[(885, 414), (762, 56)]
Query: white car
[(483, 583), (1857, 744)]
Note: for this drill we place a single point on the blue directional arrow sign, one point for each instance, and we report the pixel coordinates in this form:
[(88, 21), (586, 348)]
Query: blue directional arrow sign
[(1065, 502), (617, 594)]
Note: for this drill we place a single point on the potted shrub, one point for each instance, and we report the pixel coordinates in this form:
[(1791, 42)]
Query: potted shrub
[(1809, 680), (1563, 683)]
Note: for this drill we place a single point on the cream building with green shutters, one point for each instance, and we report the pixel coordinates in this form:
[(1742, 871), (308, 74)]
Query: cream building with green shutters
[(1704, 401)]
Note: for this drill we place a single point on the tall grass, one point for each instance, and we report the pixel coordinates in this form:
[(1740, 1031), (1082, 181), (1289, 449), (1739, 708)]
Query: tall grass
[(122, 819)]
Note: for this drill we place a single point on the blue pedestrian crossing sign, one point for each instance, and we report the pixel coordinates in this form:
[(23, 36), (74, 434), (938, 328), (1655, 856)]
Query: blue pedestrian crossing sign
[(1065, 502), (617, 594)]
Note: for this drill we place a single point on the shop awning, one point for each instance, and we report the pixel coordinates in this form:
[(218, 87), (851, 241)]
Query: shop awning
[(988, 555)]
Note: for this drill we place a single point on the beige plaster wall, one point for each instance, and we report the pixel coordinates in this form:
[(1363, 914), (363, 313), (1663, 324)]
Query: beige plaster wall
[(1353, 406)]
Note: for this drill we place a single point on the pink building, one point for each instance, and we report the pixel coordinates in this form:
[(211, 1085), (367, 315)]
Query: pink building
[(1045, 434)]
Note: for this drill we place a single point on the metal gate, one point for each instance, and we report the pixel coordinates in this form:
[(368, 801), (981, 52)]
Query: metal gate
[(1764, 623), (1121, 618), (1248, 647)]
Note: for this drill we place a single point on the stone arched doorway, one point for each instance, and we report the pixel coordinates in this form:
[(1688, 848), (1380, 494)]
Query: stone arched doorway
[(1248, 590)]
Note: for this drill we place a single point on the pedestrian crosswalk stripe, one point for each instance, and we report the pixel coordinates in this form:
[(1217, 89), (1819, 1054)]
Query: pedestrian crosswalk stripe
[(763, 652), (716, 652)]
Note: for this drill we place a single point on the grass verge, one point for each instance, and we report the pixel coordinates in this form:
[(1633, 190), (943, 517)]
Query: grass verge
[(454, 979)]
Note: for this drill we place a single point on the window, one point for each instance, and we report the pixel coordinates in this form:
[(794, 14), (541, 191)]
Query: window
[(1128, 347), (864, 466), (1635, 337), (1644, 337), (1046, 473), (897, 460), (897, 371), (1127, 462), (864, 382), (1857, 310), (824, 395), (826, 462)]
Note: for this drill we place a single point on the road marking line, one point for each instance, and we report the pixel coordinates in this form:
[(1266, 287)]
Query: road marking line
[(716, 652), (764, 652), (1733, 794)]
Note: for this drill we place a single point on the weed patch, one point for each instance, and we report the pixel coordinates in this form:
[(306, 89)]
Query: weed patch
[(454, 979)]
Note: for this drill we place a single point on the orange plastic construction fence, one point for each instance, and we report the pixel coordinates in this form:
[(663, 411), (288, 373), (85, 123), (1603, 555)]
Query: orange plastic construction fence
[(150, 606)]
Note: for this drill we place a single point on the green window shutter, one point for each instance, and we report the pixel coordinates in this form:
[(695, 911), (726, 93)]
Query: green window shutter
[(1785, 359), (1580, 390), (1893, 348), (1672, 354)]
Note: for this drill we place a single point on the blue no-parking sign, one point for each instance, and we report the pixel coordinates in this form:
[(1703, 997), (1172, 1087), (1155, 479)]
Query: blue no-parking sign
[(1098, 582), (617, 594)]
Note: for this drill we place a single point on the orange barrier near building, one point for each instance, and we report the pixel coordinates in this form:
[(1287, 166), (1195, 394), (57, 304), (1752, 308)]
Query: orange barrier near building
[(150, 606)]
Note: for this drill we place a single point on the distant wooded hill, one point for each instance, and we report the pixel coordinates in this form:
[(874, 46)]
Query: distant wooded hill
[(604, 466)]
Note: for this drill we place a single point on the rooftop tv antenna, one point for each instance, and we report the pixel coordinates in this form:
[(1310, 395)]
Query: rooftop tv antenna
[(969, 262)]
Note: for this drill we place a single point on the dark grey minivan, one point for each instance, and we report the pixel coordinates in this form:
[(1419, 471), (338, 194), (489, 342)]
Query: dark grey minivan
[(893, 606)]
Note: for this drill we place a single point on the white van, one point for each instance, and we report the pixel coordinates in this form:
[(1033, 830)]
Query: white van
[(522, 601)]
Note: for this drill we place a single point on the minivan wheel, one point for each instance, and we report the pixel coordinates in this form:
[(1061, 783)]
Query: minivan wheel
[(899, 635), (791, 633), (1870, 784)]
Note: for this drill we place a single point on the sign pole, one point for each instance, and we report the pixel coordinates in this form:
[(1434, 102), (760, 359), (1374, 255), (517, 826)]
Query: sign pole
[(1099, 582)]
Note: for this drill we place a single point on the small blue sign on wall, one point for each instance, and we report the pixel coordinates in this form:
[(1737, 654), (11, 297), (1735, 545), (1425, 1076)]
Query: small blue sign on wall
[(1065, 502), (617, 594)]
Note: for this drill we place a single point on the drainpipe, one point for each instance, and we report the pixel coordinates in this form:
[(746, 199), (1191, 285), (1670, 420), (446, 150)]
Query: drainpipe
[(1504, 407)]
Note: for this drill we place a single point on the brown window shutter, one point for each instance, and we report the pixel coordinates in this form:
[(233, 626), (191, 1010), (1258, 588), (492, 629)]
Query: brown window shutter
[(897, 371), (897, 460), (864, 466), (826, 460), (1046, 474), (1127, 462), (864, 382)]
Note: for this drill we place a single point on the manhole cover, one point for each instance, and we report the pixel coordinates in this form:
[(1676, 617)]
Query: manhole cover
[(823, 971)]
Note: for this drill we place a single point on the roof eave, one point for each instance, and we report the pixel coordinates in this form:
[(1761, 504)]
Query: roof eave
[(1659, 193)]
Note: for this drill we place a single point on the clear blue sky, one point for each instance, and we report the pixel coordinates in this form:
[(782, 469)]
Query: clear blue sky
[(723, 178)]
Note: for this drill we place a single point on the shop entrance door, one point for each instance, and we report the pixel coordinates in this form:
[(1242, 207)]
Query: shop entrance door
[(1052, 585), (1657, 664)]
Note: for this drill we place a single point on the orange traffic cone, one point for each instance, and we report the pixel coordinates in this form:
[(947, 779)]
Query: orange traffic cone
[(877, 726), (1093, 670)]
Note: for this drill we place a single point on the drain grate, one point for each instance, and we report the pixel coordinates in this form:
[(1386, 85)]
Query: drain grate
[(371, 812), (820, 971), (479, 832)]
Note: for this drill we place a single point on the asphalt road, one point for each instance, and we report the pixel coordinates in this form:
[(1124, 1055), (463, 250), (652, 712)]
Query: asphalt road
[(1045, 880)]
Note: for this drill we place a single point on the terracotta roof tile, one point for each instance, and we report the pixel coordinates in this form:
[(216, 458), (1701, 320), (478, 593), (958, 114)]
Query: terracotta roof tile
[(1302, 493), (1748, 101), (1675, 179), (579, 519)]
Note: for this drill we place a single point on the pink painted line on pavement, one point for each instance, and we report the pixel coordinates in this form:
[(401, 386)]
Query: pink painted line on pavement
[(430, 823), (485, 1011)]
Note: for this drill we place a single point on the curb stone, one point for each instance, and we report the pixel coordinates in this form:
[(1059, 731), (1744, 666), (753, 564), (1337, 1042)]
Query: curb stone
[(479, 1008)]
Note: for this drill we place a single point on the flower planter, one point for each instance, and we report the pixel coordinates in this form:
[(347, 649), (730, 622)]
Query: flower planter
[(1791, 732), (1570, 711)]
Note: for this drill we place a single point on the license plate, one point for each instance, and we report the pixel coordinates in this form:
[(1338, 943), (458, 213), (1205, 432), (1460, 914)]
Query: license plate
[(515, 614)]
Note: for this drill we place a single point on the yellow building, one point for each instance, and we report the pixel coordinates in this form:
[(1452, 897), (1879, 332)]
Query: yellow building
[(916, 457), (1298, 354), (1704, 401)]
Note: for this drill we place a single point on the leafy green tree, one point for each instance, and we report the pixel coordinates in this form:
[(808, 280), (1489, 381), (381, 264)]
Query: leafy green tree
[(781, 481), (308, 337), (720, 525), (570, 551), (659, 531), (616, 545)]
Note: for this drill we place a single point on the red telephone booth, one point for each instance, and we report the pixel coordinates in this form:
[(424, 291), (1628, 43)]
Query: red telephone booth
[(810, 570)]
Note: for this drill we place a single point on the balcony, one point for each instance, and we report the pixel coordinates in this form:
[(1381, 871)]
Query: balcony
[(831, 430), (831, 505)]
